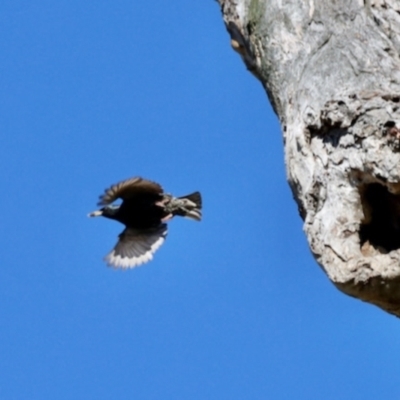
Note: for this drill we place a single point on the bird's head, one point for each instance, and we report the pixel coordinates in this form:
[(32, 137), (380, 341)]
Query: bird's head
[(107, 211)]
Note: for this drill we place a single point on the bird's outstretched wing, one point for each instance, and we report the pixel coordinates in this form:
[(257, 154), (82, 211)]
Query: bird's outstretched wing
[(129, 188), (136, 247)]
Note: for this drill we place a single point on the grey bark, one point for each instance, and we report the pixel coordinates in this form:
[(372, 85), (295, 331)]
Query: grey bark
[(331, 69)]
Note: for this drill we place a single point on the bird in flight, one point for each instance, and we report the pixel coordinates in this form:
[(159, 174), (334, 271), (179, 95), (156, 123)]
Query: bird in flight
[(144, 211)]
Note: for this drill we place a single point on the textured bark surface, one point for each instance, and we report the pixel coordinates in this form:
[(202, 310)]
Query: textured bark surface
[(331, 69)]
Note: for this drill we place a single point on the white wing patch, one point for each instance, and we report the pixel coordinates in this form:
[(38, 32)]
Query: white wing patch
[(136, 247)]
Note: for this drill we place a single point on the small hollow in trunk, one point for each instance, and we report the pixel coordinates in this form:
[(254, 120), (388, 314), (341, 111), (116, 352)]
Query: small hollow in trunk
[(380, 227)]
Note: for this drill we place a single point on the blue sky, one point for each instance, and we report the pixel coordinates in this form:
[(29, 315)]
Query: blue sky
[(230, 308)]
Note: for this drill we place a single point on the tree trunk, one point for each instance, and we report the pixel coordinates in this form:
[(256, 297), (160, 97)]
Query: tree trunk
[(331, 69)]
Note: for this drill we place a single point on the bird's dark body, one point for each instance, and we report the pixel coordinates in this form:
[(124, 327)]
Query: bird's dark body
[(144, 211), (140, 212)]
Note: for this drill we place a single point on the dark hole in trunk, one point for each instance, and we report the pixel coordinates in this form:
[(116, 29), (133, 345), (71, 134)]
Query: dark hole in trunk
[(381, 225)]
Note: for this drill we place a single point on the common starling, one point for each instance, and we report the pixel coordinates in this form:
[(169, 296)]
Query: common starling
[(144, 211)]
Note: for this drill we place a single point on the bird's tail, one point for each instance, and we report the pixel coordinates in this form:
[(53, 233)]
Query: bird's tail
[(190, 206)]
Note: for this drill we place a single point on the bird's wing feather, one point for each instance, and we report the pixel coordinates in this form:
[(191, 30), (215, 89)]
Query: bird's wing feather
[(136, 247), (129, 188)]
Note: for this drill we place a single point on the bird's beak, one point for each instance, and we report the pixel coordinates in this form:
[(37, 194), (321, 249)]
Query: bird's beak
[(96, 213)]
